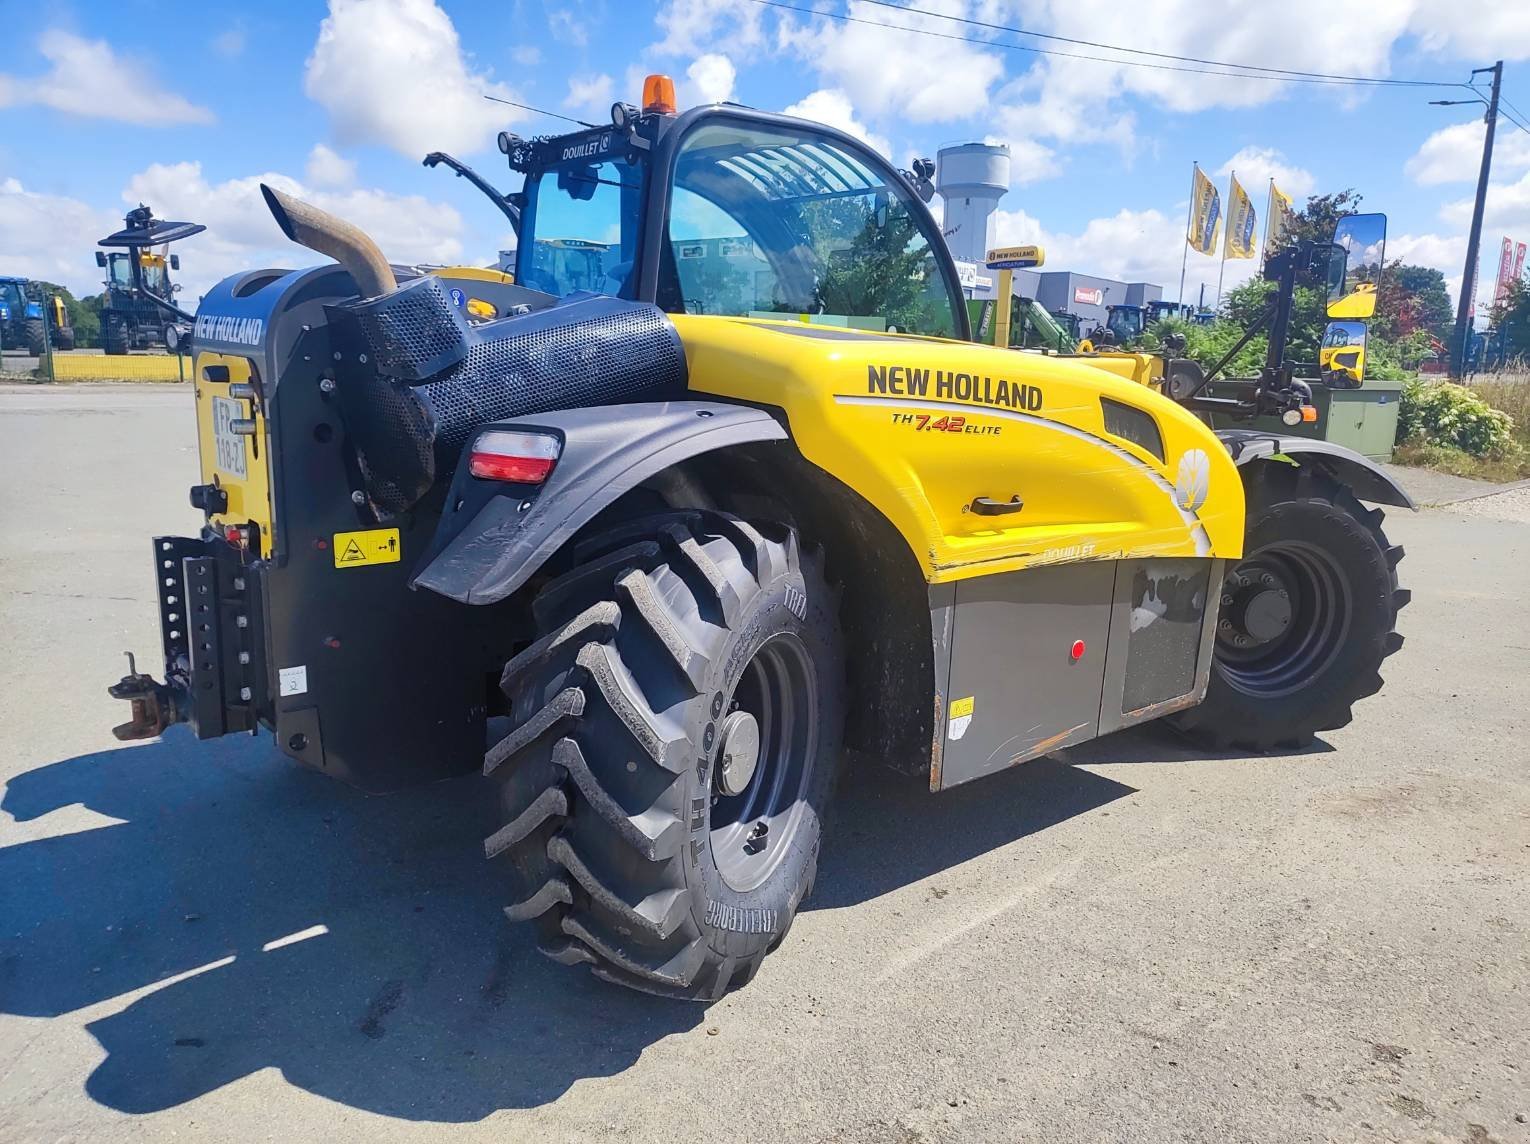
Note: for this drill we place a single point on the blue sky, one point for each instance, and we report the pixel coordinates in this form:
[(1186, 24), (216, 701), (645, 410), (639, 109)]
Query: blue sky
[(188, 108)]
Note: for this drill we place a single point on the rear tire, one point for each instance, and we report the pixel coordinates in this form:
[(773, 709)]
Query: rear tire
[(114, 333), (622, 840), (35, 336), (1307, 616), (64, 339)]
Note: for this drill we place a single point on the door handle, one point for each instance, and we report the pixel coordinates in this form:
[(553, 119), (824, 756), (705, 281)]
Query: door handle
[(986, 506)]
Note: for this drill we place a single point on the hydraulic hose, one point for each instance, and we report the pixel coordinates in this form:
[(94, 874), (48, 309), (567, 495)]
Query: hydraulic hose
[(348, 245)]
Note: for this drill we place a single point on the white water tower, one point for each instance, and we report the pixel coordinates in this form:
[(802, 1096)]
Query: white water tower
[(971, 179)]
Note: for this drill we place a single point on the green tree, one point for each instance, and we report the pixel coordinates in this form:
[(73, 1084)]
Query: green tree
[(1512, 317), (84, 313)]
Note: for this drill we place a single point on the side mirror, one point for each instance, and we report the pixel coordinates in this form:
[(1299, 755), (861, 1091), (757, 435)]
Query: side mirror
[(1353, 283), (1341, 356), (175, 262), (101, 259)]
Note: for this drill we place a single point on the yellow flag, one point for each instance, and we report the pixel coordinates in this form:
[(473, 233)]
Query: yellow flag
[(1279, 222), (1240, 221), (1205, 214)]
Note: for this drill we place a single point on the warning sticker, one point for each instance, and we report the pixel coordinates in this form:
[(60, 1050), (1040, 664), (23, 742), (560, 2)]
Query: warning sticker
[(961, 717), (375, 546)]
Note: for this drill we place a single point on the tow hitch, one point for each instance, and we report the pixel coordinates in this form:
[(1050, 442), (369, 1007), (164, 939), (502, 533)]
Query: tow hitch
[(153, 704)]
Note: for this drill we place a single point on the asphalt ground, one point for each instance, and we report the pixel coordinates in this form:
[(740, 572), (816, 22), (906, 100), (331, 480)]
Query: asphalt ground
[(1136, 942)]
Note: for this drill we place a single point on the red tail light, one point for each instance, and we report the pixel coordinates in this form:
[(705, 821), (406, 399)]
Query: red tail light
[(522, 458)]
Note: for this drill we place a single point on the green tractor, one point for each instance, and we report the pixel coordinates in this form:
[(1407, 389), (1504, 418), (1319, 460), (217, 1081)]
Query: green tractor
[(139, 311), (31, 323)]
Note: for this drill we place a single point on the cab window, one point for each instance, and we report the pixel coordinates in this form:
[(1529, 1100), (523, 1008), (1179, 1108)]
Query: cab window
[(584, 219), (772, 222)]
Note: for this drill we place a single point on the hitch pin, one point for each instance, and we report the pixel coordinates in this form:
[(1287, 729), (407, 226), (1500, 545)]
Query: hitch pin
[(132, 664)]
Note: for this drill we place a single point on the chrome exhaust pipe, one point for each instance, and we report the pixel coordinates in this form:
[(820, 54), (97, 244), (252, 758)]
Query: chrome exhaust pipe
[(348, 245)]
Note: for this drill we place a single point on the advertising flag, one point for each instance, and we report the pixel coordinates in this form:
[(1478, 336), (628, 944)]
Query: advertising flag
[(1505, 270), (1205, 214), (1279, 221), (1240, 222), (1519, 260)]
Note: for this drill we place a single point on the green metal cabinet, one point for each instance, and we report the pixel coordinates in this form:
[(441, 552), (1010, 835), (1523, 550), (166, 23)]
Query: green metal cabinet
[(1363, 419)]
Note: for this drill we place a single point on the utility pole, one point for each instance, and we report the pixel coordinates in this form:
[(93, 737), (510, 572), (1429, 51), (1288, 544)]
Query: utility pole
[(1463, 338)]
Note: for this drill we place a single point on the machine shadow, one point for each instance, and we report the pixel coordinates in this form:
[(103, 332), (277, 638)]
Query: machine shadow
[(398, 988)]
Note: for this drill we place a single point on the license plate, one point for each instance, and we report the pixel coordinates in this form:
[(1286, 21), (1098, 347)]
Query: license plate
[(228, 444)]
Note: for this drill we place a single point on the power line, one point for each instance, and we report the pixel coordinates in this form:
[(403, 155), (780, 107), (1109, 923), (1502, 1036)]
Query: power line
[(1373, 80), (1265, 74), (539, 110)]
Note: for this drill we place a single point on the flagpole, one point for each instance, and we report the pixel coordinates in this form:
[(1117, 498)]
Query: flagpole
[(1269, 220), (1184, 255), (1226, 230)]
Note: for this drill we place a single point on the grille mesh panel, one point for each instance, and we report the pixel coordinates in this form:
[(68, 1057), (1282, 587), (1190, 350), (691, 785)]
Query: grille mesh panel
[(583, 352)]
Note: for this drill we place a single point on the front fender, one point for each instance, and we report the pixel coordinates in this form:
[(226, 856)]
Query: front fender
[(494, 535), (1368, 480)]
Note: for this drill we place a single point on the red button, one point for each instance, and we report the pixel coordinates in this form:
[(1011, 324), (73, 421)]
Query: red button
[(1077, 650)]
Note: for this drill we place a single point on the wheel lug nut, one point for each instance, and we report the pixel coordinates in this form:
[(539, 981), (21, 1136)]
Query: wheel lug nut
[(1226, 601)]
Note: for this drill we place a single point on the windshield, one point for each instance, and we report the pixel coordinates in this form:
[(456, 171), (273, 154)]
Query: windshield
[(155, 280), (766, 222), (120, 270), (10, 295), (584, 223)]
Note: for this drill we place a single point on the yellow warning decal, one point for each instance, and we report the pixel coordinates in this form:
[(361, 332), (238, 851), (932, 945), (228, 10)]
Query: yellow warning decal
[(375, 546), (960, 707)]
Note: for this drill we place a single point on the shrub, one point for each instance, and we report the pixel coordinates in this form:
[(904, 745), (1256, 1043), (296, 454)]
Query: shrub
[(1439, 413)]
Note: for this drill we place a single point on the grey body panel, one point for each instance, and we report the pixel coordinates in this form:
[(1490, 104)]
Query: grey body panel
[(1010, 656), (1007, 686), (1369, 480), (493, 535)]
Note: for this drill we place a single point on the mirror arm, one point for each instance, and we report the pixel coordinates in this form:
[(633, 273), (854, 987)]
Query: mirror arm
[(504, 202)]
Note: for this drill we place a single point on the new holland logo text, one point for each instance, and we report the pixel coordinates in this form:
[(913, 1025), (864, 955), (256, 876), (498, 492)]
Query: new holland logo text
[(951, 385), (227, 328)]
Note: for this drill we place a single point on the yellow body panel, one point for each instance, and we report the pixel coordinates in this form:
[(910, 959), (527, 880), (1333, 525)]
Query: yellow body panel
[(921, 427), (249, 498)]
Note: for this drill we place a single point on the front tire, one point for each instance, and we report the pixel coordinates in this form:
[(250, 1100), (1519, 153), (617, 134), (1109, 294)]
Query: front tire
[(114, 333), (35, 337), (1307, 616), (637, 838)]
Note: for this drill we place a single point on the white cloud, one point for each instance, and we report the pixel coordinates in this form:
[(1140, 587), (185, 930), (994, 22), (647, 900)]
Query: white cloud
[(87, 78), (567, 28), (1130, 246), (712, 77), (1476, 30), (1437, 251), (393, 72), (912, 77), (692, 27), (590, 93), (1454, 154), (242, 235), (1507, 210), (230, 42), (51, 236), (835, 109), (1256, 166), (527, 55), (328, 168)]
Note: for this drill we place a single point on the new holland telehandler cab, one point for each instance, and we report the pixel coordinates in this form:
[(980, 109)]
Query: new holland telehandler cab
[(655, 558)]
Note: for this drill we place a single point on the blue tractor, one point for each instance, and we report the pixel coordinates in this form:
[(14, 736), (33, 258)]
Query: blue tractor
[(28, 319)]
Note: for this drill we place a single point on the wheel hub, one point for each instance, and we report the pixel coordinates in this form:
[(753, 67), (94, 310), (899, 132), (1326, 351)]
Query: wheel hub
[(740, 753)]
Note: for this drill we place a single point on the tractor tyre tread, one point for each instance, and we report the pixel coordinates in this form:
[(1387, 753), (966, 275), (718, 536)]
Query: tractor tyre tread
[(595, 777), (1221, 722)]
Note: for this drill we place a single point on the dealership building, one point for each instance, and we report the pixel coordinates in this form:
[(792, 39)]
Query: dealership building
[(1083, 294)]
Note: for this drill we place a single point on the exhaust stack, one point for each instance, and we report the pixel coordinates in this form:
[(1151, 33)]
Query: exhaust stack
[(348, 245)]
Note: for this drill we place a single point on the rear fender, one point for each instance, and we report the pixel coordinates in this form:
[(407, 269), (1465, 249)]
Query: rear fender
[(1368, 480), (494, 535)]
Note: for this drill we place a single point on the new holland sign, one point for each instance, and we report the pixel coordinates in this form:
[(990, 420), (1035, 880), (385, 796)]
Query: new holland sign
[(1015, 257)]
